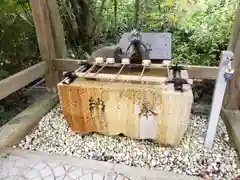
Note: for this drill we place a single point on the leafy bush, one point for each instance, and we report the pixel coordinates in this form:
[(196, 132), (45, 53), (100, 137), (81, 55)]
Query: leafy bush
[(200, 29), (18, 50), (18, 45), (208, 31)]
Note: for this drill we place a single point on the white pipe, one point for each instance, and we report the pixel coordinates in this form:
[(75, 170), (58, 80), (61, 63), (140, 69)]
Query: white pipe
[(218, 96)]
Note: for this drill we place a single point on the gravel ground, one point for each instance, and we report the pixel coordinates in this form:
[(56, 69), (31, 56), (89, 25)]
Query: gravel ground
[(190, 157)]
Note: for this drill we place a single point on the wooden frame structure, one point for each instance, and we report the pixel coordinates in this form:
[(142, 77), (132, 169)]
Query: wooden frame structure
[(231, 104), (53, 52)]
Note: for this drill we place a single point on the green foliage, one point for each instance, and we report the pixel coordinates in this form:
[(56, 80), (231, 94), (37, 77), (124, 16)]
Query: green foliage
[(18, 50), (18, 45), (200, 29), (207, 33)]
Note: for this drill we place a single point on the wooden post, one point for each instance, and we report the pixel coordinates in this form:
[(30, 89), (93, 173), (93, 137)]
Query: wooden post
[(50, 37), (57, 29), (235, 32), (218, 95), (57, 33), (232, 95)]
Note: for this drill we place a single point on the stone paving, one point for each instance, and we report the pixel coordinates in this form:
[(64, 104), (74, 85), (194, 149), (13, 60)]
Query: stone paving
[(27, 165)]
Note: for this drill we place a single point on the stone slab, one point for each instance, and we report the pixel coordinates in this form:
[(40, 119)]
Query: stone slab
[(159, 44), (17, 164)]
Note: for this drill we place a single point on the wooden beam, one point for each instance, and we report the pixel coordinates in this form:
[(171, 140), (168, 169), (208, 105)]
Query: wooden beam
[(43, 27), (194, 72), (235, 31), (21, 79), (66, 64), (232, 95), (231, 120), (202, 72), (57, 30), (57, 33)]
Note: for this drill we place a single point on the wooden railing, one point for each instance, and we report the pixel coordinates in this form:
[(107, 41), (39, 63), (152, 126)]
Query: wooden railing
[(19, 80), (51, 44)]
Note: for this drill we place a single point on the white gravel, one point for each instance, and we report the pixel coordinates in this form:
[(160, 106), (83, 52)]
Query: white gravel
[(190, 157)]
